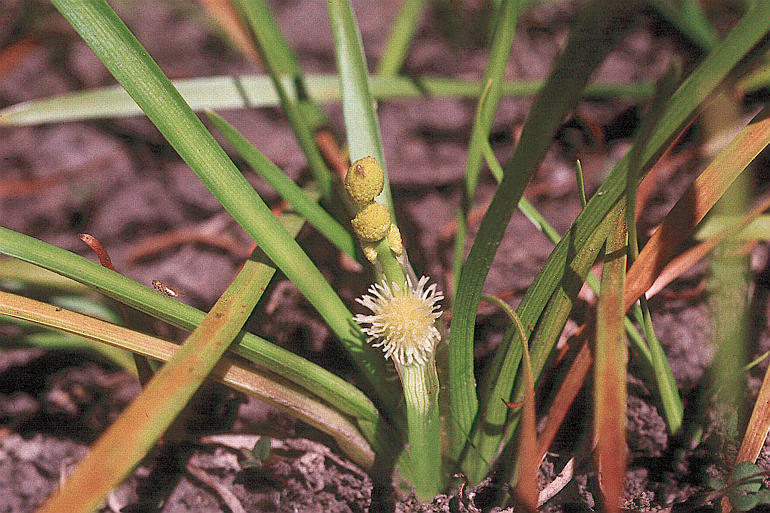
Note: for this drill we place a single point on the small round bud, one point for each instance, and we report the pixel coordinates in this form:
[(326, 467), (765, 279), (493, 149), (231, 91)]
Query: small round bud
[(372, 222), (364, 180)]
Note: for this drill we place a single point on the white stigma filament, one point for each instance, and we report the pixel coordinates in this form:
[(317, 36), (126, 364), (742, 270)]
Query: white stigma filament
[(403, 321)]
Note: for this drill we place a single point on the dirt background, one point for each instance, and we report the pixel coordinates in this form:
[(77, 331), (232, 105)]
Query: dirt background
[(120, 182)]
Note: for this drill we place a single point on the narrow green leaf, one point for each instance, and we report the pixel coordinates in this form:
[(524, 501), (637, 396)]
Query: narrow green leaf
[(591, 38), (665, 384), (237, 374), (304, 116), (122, 54), (287, 189), (255, 91), (53, 341), (580, 186), (401, 35), (690, 21), (17, 274), (758, 229), (499, 53), (361, 125)]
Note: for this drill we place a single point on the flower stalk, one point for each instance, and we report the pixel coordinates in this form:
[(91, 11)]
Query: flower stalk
[(402, 322)]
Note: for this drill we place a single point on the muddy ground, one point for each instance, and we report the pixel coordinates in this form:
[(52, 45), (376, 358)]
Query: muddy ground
[(120, 182)]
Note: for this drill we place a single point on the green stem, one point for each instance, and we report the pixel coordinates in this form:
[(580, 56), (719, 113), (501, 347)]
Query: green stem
[(390, 268), (421, 389)]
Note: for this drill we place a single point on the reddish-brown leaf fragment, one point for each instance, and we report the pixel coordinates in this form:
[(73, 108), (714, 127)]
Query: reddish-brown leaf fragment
[(611, 357)]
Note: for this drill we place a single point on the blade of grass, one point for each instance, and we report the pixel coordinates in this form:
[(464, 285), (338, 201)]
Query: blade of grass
[(499, 53), (486, 440), (401, 35), (303, 115), (24, 275), (287, 189), (728, 284), (276, 359), (525, 487), (664, 379), (683, 106), (122, 54), (580, 186), (145, 420), (554, 318), (251, 380), (582, 363), (610, 371), (255, 91), (591, 38), (361, 124)]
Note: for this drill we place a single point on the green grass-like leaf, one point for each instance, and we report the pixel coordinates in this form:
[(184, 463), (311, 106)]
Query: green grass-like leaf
[(104, 337), (404, 28), (499, 53), (256, 91), (690, 20), (304, 116), (361, 124)]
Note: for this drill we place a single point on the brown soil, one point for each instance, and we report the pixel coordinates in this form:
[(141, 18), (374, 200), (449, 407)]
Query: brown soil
[(120, 182)]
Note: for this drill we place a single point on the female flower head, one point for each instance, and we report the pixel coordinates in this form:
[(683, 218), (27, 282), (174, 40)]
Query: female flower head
[(403, 320)]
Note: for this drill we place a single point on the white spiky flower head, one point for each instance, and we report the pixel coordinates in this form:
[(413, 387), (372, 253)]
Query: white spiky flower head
[(402, 321)]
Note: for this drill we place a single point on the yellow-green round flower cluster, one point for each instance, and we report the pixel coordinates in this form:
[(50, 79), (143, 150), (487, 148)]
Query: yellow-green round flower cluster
[(372, 222), (364, 182)]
